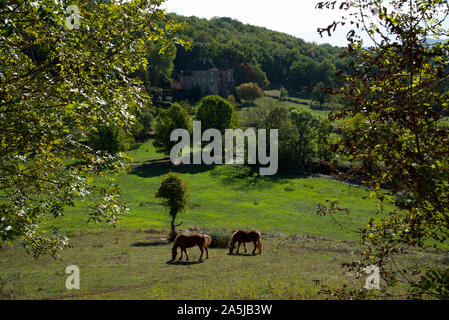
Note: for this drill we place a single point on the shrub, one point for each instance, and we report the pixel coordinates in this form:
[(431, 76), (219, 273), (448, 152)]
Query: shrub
[(232, 100), (283, 94), (249, 92), (220, 238)]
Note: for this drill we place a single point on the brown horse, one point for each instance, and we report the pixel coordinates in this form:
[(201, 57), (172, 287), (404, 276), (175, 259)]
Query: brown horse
[(241, 236), (189, 241)]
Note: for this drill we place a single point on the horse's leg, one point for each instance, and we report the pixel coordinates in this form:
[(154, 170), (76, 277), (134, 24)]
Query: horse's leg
[(202, 250), (207, 252), (238, 247), (255, 246), (187, 255), (182, 254), (244, 246)]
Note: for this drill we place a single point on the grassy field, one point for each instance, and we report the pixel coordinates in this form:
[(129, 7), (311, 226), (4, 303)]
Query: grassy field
[(232, 197), (132, 262), (271, 99)]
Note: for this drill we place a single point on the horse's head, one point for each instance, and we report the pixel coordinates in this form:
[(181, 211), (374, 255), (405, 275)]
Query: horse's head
[(231, 245), (174, 251)]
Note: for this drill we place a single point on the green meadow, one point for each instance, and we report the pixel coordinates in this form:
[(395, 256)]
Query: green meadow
[(130, 264), (301, 250), (232, 197)]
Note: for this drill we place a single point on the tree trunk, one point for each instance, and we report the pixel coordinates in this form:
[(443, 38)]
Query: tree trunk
[(173, 229)]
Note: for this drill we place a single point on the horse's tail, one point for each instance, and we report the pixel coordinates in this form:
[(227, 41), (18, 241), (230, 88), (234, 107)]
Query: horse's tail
[(259, 242), (207, 240), (176, 241)]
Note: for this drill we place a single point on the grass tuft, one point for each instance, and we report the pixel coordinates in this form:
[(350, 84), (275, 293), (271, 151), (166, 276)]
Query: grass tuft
[(11, 286)]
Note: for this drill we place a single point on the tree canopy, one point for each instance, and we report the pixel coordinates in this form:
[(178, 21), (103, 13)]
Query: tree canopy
[(260, 55), (397, 88), (214, 112), (298, 134), (56, 83), (176, 117), (174, 193)]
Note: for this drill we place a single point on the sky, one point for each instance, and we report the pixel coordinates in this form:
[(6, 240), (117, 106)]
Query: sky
[(295, 17)]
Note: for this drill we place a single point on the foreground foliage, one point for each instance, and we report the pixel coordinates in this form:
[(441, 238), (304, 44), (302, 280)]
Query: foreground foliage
[(57, 83), (399, 87)]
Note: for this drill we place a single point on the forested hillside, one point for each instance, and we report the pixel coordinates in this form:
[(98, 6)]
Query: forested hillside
[(258, 54)]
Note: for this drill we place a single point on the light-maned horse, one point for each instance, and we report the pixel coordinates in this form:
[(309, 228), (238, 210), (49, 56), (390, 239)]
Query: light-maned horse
[(241, 236), (189, 241)]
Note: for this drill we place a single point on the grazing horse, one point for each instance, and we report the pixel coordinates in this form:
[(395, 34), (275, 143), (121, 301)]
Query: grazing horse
[(189, 241), (241, 236)]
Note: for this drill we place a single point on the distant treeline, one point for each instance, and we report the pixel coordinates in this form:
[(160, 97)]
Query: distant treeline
[(258, 54)]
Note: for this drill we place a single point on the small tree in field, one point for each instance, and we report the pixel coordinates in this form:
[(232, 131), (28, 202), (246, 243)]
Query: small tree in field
[(175, 194), (249, 92), (319, 95), (283, 94)]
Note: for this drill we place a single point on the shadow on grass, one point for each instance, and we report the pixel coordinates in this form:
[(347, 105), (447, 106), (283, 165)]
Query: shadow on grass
[(248, 177), (243, 254), (184, 263), (150, 244), (156, 168), (240, 176)]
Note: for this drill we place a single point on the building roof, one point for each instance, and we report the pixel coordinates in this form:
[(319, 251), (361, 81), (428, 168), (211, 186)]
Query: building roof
[(200, 65)]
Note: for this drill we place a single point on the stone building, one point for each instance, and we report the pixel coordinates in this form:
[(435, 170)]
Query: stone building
[(204, 74)]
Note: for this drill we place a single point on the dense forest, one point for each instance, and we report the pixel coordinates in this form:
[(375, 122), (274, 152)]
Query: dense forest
[(255, 53)]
